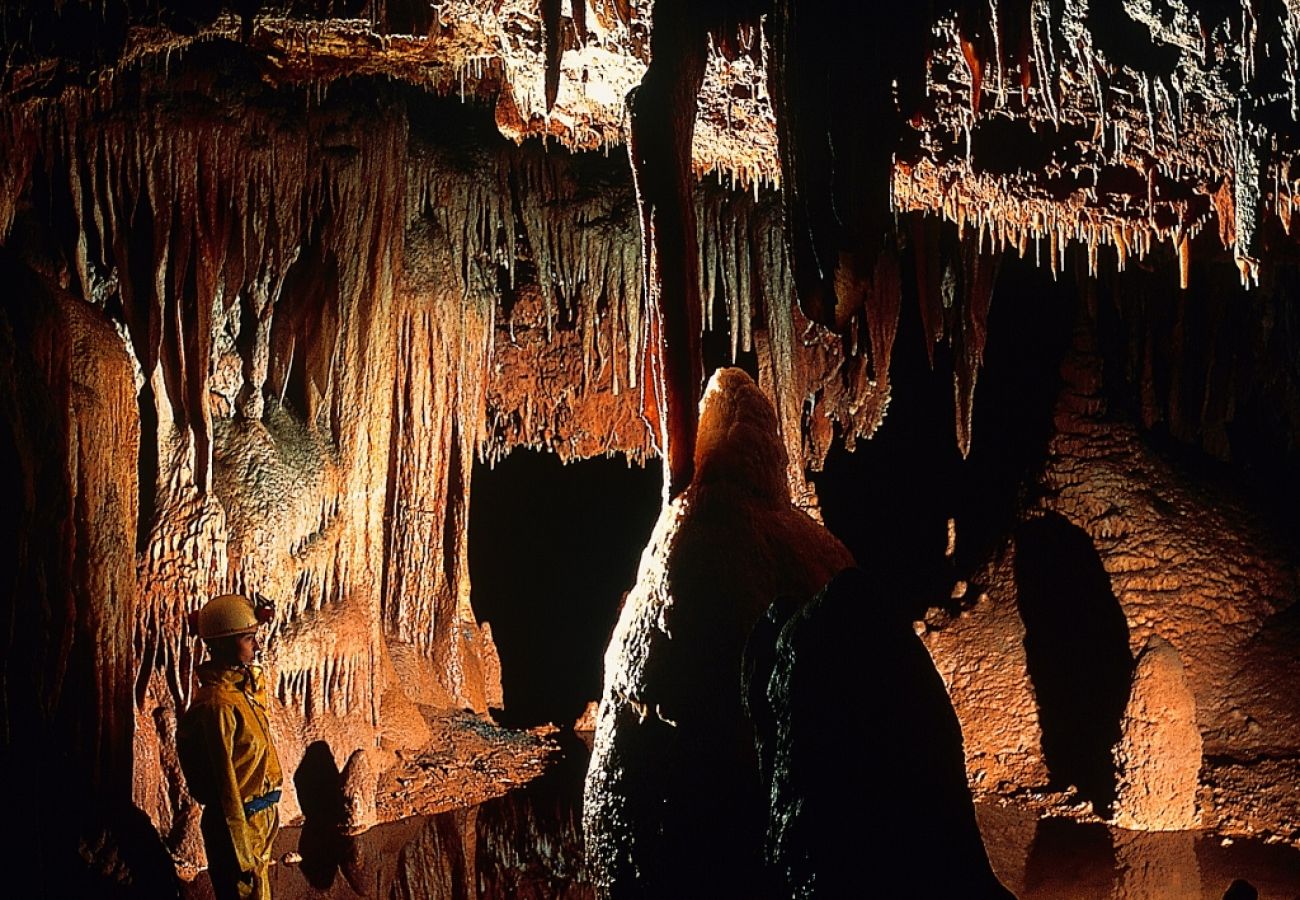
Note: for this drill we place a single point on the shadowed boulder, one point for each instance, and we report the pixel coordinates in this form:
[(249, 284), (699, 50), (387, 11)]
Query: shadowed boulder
[(868, 781)]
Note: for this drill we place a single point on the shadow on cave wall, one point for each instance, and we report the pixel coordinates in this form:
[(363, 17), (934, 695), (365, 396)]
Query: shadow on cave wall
[(552, 549), (1077, 650)]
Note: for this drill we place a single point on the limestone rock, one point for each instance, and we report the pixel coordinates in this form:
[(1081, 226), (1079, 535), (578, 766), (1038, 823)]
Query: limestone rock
[(673, 805), (359, 778), (1158, 758)]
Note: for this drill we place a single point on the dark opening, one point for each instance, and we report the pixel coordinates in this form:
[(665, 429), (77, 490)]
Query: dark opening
[(552, 549), (1076, 644), (890, 500)]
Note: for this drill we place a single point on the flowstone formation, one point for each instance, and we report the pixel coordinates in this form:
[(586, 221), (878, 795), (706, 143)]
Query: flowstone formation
[(673, 802)]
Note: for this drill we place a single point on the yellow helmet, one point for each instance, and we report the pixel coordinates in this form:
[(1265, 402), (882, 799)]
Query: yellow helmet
[(227, 615)]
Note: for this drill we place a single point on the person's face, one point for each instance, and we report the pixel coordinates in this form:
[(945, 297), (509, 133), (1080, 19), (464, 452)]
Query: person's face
[(246, 647), (236, 650)]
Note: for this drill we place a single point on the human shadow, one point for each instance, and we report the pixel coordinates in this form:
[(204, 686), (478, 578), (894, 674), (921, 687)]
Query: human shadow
[(323, 845), (1077, 652)]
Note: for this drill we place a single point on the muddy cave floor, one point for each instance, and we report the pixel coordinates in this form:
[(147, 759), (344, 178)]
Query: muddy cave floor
[(495, 812)]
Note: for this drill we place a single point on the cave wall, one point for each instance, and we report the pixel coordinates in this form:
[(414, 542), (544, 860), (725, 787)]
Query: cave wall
[(68, 446), (1185, 549), (326, 303)]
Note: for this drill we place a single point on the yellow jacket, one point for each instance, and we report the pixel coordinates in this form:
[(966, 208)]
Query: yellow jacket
[(225, 749)]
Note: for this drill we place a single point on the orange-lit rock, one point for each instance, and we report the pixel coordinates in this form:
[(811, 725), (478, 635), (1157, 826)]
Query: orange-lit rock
[(1158, 758), (991, 691)]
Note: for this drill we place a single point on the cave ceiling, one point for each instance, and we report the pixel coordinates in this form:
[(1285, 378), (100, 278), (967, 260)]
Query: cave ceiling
[(1136, 131), (1036, 123)]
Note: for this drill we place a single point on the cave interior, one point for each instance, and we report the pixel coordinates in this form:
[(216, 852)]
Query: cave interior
[(543, 362)]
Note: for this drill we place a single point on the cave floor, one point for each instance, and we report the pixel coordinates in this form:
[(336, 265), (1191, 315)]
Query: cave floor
[(468, 761), (492, 812)]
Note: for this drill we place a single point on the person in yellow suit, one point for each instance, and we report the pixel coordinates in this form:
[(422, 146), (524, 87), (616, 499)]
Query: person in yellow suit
[(225, 749)]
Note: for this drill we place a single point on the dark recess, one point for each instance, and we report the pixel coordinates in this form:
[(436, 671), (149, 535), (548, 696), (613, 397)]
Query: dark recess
[(890, 500), (552, 549)]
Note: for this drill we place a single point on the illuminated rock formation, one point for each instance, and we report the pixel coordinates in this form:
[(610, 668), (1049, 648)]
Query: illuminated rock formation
[(673, 802), (279, 273), (1158, 758)]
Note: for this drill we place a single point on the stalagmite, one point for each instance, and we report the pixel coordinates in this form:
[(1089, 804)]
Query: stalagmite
[(673, 773), (1158, 757)]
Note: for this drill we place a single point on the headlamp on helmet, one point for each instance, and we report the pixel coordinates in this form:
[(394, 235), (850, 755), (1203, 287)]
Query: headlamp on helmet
[(229, 615)]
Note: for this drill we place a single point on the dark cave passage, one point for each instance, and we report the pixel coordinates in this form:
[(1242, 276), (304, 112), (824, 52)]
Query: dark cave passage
[(1076, 644), (552, 549), (891, 498)]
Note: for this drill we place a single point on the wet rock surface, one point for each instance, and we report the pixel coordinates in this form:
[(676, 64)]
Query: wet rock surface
[(524, 844)]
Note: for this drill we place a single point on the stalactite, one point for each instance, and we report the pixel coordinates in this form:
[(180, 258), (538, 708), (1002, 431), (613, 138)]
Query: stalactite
[(662, 125), (550, 14), (969, 334)]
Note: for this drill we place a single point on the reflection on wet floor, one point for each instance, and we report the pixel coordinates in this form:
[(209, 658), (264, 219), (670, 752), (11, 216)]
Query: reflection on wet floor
[(528, 845), (1067, 859)]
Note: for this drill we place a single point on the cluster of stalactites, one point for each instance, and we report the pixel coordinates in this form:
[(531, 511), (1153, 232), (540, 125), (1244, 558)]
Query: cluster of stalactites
[(181, 223), (1153, 125)]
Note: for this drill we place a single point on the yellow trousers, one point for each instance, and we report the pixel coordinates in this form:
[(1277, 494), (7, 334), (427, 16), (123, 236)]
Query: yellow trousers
[(228, 882)]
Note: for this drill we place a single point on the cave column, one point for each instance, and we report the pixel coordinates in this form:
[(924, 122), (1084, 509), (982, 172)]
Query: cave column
[(662, 112)]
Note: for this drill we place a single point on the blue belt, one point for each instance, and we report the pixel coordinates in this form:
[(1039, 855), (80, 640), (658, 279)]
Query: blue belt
[(266, 801)]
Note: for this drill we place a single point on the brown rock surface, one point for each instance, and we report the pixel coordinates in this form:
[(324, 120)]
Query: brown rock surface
[(990, 686), (1158, 758), (359, 785)]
